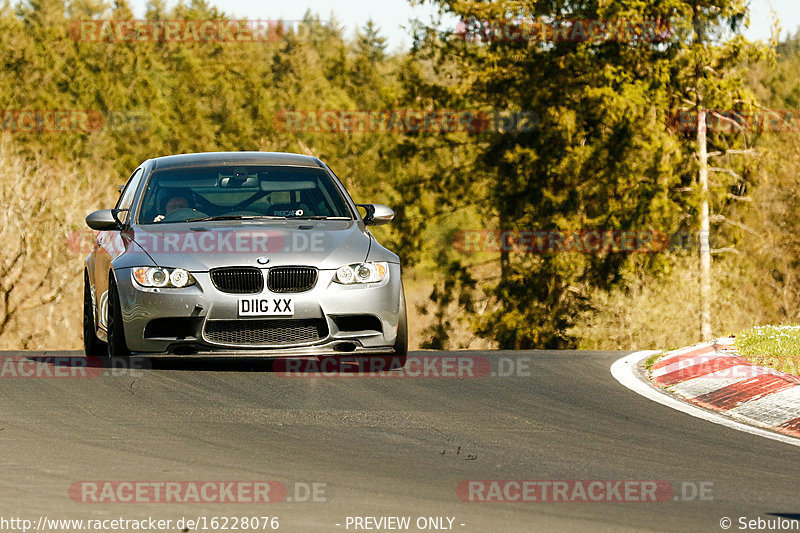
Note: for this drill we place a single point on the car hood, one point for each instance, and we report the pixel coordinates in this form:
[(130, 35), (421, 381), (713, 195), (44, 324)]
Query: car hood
[(199, 247)]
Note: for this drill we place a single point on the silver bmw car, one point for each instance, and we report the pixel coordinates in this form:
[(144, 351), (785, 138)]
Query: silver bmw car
[(241, 254)]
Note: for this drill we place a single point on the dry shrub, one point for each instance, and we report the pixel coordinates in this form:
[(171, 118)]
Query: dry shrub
[(445, 318), (663, 311), (649, 312), (43, 205)]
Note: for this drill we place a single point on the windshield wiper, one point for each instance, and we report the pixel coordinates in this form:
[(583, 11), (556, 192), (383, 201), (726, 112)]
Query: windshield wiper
[(234, 217)]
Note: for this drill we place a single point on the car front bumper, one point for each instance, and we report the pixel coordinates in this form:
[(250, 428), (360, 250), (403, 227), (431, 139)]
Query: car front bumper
[(201, 320)]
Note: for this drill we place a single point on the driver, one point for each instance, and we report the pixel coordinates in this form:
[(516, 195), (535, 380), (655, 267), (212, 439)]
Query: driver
[(180, 199)]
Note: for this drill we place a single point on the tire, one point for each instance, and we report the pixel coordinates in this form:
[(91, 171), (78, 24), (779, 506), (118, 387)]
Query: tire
[(400, 356), (92, 346), (115, 328), (397, 359)]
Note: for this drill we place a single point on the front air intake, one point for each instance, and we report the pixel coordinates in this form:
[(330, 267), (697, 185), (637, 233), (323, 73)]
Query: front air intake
[(268, 332), (238, 280), (291, 279)]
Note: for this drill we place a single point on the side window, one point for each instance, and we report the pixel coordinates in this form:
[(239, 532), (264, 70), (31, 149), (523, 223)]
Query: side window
[(128, 193)]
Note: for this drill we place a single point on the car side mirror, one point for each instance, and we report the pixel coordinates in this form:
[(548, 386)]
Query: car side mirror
[(377, 214), (104, 220)]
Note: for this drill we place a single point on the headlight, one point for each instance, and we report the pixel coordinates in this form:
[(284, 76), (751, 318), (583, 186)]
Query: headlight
[(162, 277), (361, 273)]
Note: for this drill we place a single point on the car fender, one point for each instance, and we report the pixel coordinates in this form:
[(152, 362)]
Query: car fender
[(377, 252)]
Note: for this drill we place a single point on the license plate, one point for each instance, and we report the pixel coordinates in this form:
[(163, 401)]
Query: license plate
[(266, 307)]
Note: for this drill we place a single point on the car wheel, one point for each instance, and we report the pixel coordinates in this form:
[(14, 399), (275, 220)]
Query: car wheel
[(116, 332), (401, 342), (397, 359), (92, 346)]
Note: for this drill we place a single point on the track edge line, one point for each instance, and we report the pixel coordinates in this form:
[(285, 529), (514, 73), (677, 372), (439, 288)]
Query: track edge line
[(624, 371)]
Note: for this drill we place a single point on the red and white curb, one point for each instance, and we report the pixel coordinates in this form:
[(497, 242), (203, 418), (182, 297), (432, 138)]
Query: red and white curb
[(712, 381)]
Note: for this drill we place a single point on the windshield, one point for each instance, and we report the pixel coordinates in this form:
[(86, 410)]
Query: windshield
[(225, 193)]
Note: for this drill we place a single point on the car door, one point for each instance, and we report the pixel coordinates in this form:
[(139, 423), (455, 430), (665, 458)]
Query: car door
[(111, 244)]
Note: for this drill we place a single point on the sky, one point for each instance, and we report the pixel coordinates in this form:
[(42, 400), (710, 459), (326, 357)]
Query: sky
[(393, 15)]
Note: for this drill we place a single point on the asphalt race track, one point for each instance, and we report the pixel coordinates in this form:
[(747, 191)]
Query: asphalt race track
[(381, 446)]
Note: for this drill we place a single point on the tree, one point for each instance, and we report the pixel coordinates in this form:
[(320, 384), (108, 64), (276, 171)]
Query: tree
[(709, 80), (601, 157), (370, 44)]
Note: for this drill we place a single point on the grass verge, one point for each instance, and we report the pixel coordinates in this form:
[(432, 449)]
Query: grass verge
[(648, 364), (776, 347)]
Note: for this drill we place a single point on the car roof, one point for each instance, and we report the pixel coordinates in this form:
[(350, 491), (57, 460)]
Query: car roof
[(235, 158)]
